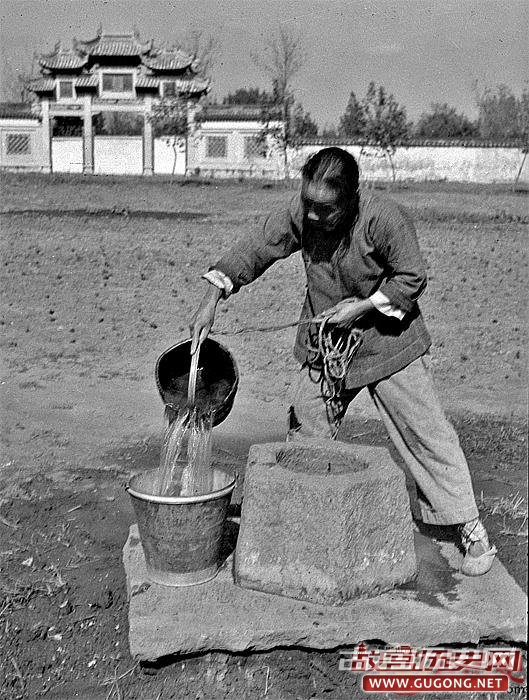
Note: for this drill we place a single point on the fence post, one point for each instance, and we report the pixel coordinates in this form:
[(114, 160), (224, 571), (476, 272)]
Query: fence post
[(46, 136), (88, 136), (148, 144)]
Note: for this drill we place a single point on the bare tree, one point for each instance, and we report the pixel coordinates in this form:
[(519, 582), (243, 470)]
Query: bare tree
[(15, 82), (205, 47), (281, 60), (170, 115), (169, 118)]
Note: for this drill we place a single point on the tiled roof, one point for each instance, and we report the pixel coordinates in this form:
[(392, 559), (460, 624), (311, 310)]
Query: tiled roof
[(63, 59), (63, 62), (77, 55), (147, 81), (115, 48), (192, 85), (429, 143), (115, 45), (170, 59), (160, 59), (16, 110), (462, 143), (235, 113), (183, 85), (87, 81), (42, 85)]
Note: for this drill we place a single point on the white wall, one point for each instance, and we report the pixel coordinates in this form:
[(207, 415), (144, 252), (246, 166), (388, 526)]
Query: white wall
[(169, 155), (67, 154), (36, 158), (420, 163), (118, 155), (234, 164), (124, 155), (414, 163)]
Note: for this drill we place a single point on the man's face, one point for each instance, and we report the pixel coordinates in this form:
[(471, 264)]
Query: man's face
[(323, 207)]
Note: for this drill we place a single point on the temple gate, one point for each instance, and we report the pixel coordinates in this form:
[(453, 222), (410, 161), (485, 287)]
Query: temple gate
[(113, 73)]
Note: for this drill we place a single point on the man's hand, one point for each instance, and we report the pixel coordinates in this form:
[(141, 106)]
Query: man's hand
[(203, 318), (346, 312)]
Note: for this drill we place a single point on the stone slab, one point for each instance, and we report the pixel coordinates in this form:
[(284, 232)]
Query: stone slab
[(442, 607), (324, 522)]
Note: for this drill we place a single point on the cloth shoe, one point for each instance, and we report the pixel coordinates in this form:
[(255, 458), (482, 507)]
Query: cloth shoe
[(479, 554)]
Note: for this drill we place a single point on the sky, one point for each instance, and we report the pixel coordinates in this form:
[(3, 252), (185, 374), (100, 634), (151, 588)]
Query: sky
[(422, 51)]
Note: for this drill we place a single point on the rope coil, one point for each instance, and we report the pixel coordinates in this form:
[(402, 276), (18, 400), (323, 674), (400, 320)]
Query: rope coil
[(331, 350)]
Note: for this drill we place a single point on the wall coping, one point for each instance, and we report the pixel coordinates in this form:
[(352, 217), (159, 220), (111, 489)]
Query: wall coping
[(414, 143)]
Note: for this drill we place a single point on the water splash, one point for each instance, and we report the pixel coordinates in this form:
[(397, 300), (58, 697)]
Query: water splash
[(170, 468), (185, 458), (197, 477)]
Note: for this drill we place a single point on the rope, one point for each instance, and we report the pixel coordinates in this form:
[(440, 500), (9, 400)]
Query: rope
[(264, 329), (332, 354), (331, 350)]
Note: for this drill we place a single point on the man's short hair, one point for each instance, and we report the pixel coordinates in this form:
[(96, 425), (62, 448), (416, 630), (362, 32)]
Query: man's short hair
[(335, 168)]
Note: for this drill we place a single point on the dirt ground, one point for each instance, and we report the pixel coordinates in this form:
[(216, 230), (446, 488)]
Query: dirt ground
[(99, 276)]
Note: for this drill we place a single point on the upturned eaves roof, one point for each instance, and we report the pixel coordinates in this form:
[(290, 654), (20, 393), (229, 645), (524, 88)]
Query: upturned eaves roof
[(170, 60), (192, 85), (64, 60), (42, 85)]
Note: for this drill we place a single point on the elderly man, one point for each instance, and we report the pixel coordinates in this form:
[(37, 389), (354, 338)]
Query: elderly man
[(364, 269)]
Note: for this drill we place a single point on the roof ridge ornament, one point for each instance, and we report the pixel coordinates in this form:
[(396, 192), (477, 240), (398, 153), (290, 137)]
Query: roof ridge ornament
[(63, 57), (87, 42)]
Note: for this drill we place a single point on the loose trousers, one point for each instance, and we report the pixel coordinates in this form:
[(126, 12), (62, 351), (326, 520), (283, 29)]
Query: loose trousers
[(417, 426)]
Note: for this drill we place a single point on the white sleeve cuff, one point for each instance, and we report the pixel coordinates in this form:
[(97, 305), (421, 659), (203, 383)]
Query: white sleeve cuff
[(219, 280), (383, 304)]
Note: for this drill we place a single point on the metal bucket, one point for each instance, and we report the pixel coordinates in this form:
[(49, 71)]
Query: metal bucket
[(181, 535), (217, 378)]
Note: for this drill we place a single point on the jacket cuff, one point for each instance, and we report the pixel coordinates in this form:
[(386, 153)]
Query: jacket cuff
[(220, 280), (231, 272), (396, 297), (383, 304)]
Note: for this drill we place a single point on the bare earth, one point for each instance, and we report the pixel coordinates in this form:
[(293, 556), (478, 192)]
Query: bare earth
[(99, 276)]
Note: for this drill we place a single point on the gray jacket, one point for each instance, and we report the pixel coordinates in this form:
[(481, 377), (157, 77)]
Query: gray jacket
[(379, 251)]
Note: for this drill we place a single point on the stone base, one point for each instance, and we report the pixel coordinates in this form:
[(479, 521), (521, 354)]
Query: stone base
[(440, 607), (324, 521)]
